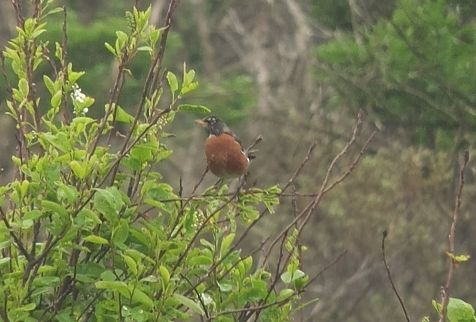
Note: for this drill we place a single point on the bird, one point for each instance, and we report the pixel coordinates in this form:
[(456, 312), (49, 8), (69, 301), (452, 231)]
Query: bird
[(226, 157)]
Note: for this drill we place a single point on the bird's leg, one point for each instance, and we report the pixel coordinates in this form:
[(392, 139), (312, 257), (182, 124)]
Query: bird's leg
[(241, 184), (218, 183)]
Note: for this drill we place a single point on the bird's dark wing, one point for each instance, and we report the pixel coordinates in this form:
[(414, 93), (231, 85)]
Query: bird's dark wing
[(237, 139), (249, 154)]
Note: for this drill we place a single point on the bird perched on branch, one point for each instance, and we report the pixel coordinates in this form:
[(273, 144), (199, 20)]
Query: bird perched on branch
[(225, 155)]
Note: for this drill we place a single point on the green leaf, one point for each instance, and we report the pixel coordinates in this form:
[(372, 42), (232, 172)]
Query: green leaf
[(189, 303), (226, 243), (188, 83), (56, 99), (23, 87), (26, 223), (107, 276), (225, 287), (145, 48), (288, 277), (200, 260), (173, 83), (121, 115), (110, 48), (188, 88), (257, 291), (4, 244), (4, 260), (66, 193), (59, 140), (194, 108), (121, 41), (141, 297), (163, 154), (27, 308), (78, 169), (143, 152), (113, 285), (120, 233), (108, 202), (53, 11), (150, 279), (158, 192), (131, 264), (189, 76), (458, 258), (460, 311), (96, 239), (54, 207), (46, 269), (74, 76), (33, 214), (51, 281), (24, 187), (164, 273), (285, 294), (90, 216)]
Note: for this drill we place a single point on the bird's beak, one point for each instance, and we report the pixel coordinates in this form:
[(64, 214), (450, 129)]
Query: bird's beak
[(201, 123)]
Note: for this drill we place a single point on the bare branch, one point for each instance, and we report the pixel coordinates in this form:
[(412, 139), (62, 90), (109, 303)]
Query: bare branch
[(445, 291), (17, 240), (325, 268), (389, 275)]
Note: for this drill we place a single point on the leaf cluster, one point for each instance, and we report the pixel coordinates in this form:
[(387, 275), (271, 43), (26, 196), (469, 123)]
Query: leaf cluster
[(89, 230)]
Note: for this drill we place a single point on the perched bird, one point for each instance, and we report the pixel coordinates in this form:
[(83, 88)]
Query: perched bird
[(225, 155)]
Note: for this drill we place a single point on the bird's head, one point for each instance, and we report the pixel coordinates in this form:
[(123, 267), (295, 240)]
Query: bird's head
[(213, 125)]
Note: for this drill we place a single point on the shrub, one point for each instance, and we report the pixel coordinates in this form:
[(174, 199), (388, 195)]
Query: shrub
[(89, 230)]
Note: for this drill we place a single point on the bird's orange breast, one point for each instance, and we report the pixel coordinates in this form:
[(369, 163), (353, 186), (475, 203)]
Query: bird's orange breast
[(224, 156)]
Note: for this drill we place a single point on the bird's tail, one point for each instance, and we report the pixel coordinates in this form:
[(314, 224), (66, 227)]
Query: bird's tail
[(250, 152)]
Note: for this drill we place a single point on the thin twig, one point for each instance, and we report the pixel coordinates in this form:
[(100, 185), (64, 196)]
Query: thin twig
[(199, 230), (184, 204), (17, 240), (64, 66), (3, 312), (198, 296), (154, 69), (308, 210), (255, 308), (389, 275), (445, 291), (325, 268)]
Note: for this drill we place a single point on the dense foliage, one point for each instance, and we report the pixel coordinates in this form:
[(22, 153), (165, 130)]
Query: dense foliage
[(90, 231)]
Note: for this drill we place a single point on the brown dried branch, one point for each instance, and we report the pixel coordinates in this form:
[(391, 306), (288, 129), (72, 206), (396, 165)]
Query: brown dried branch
[(389, 275), (325, 268), (303, 217), (199, 297), (64, 67), (305, 214), (17, 6), (17, 240), (445, 291)]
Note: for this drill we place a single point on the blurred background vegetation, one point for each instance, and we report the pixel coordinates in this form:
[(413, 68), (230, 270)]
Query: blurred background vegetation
[(297, 71)]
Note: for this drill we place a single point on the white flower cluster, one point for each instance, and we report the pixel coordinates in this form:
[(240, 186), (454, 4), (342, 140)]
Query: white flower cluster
[(207, 299), (79, 96)]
